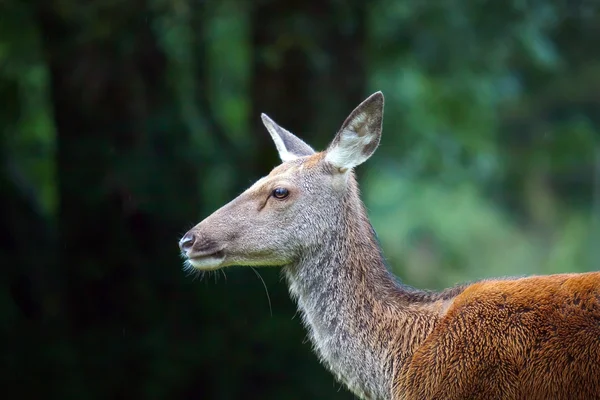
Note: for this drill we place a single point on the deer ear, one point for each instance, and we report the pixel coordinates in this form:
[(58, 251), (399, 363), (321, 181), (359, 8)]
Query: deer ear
[(359, 136), (288, 145)]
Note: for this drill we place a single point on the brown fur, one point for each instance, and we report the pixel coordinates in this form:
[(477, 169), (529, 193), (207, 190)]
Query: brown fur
[(529, 338), (514, 339)]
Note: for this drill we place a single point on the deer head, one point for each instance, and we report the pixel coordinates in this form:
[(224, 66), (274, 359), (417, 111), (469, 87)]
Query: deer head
[(282, 216)]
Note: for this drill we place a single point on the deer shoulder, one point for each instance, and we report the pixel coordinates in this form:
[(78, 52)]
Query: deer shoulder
[(528, 338)]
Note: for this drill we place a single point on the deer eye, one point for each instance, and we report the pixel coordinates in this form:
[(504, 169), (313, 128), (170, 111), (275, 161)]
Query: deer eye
[(280, 193)]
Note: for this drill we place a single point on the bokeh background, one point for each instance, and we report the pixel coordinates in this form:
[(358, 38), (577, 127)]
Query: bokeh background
[(126, 122)]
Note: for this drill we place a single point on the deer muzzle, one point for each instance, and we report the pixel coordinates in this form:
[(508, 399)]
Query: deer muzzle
[(201, 252)]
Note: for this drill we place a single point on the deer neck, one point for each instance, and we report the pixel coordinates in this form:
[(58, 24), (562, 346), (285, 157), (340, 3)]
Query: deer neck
[(363, 323)]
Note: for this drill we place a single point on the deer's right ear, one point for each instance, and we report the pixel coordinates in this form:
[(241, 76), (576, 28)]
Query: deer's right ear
[(288, 145)]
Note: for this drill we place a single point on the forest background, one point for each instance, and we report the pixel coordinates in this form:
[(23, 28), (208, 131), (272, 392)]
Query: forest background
[(126, 122)]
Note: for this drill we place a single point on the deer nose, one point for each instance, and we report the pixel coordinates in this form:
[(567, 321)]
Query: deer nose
[(187, 241)]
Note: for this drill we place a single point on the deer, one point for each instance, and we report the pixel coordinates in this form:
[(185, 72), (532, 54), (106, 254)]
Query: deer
[(530, 337)]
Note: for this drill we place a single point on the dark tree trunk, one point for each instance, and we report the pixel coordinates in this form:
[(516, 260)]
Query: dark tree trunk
[(282, 71), (342, 86), (302, 77), (109, 95)]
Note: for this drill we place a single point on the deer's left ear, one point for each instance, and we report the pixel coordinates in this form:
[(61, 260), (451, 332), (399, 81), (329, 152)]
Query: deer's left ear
[(288, 145), (359, 136)]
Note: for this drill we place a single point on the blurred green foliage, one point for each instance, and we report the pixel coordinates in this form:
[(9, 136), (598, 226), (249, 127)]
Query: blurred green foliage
[(125, 123)]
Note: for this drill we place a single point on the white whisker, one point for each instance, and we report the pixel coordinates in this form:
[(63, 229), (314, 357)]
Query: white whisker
[(266, 290)]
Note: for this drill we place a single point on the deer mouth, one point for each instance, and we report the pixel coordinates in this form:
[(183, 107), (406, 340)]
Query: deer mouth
[(206, 260)]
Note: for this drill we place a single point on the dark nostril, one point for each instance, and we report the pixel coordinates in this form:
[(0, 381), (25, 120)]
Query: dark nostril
[(187, 241)]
